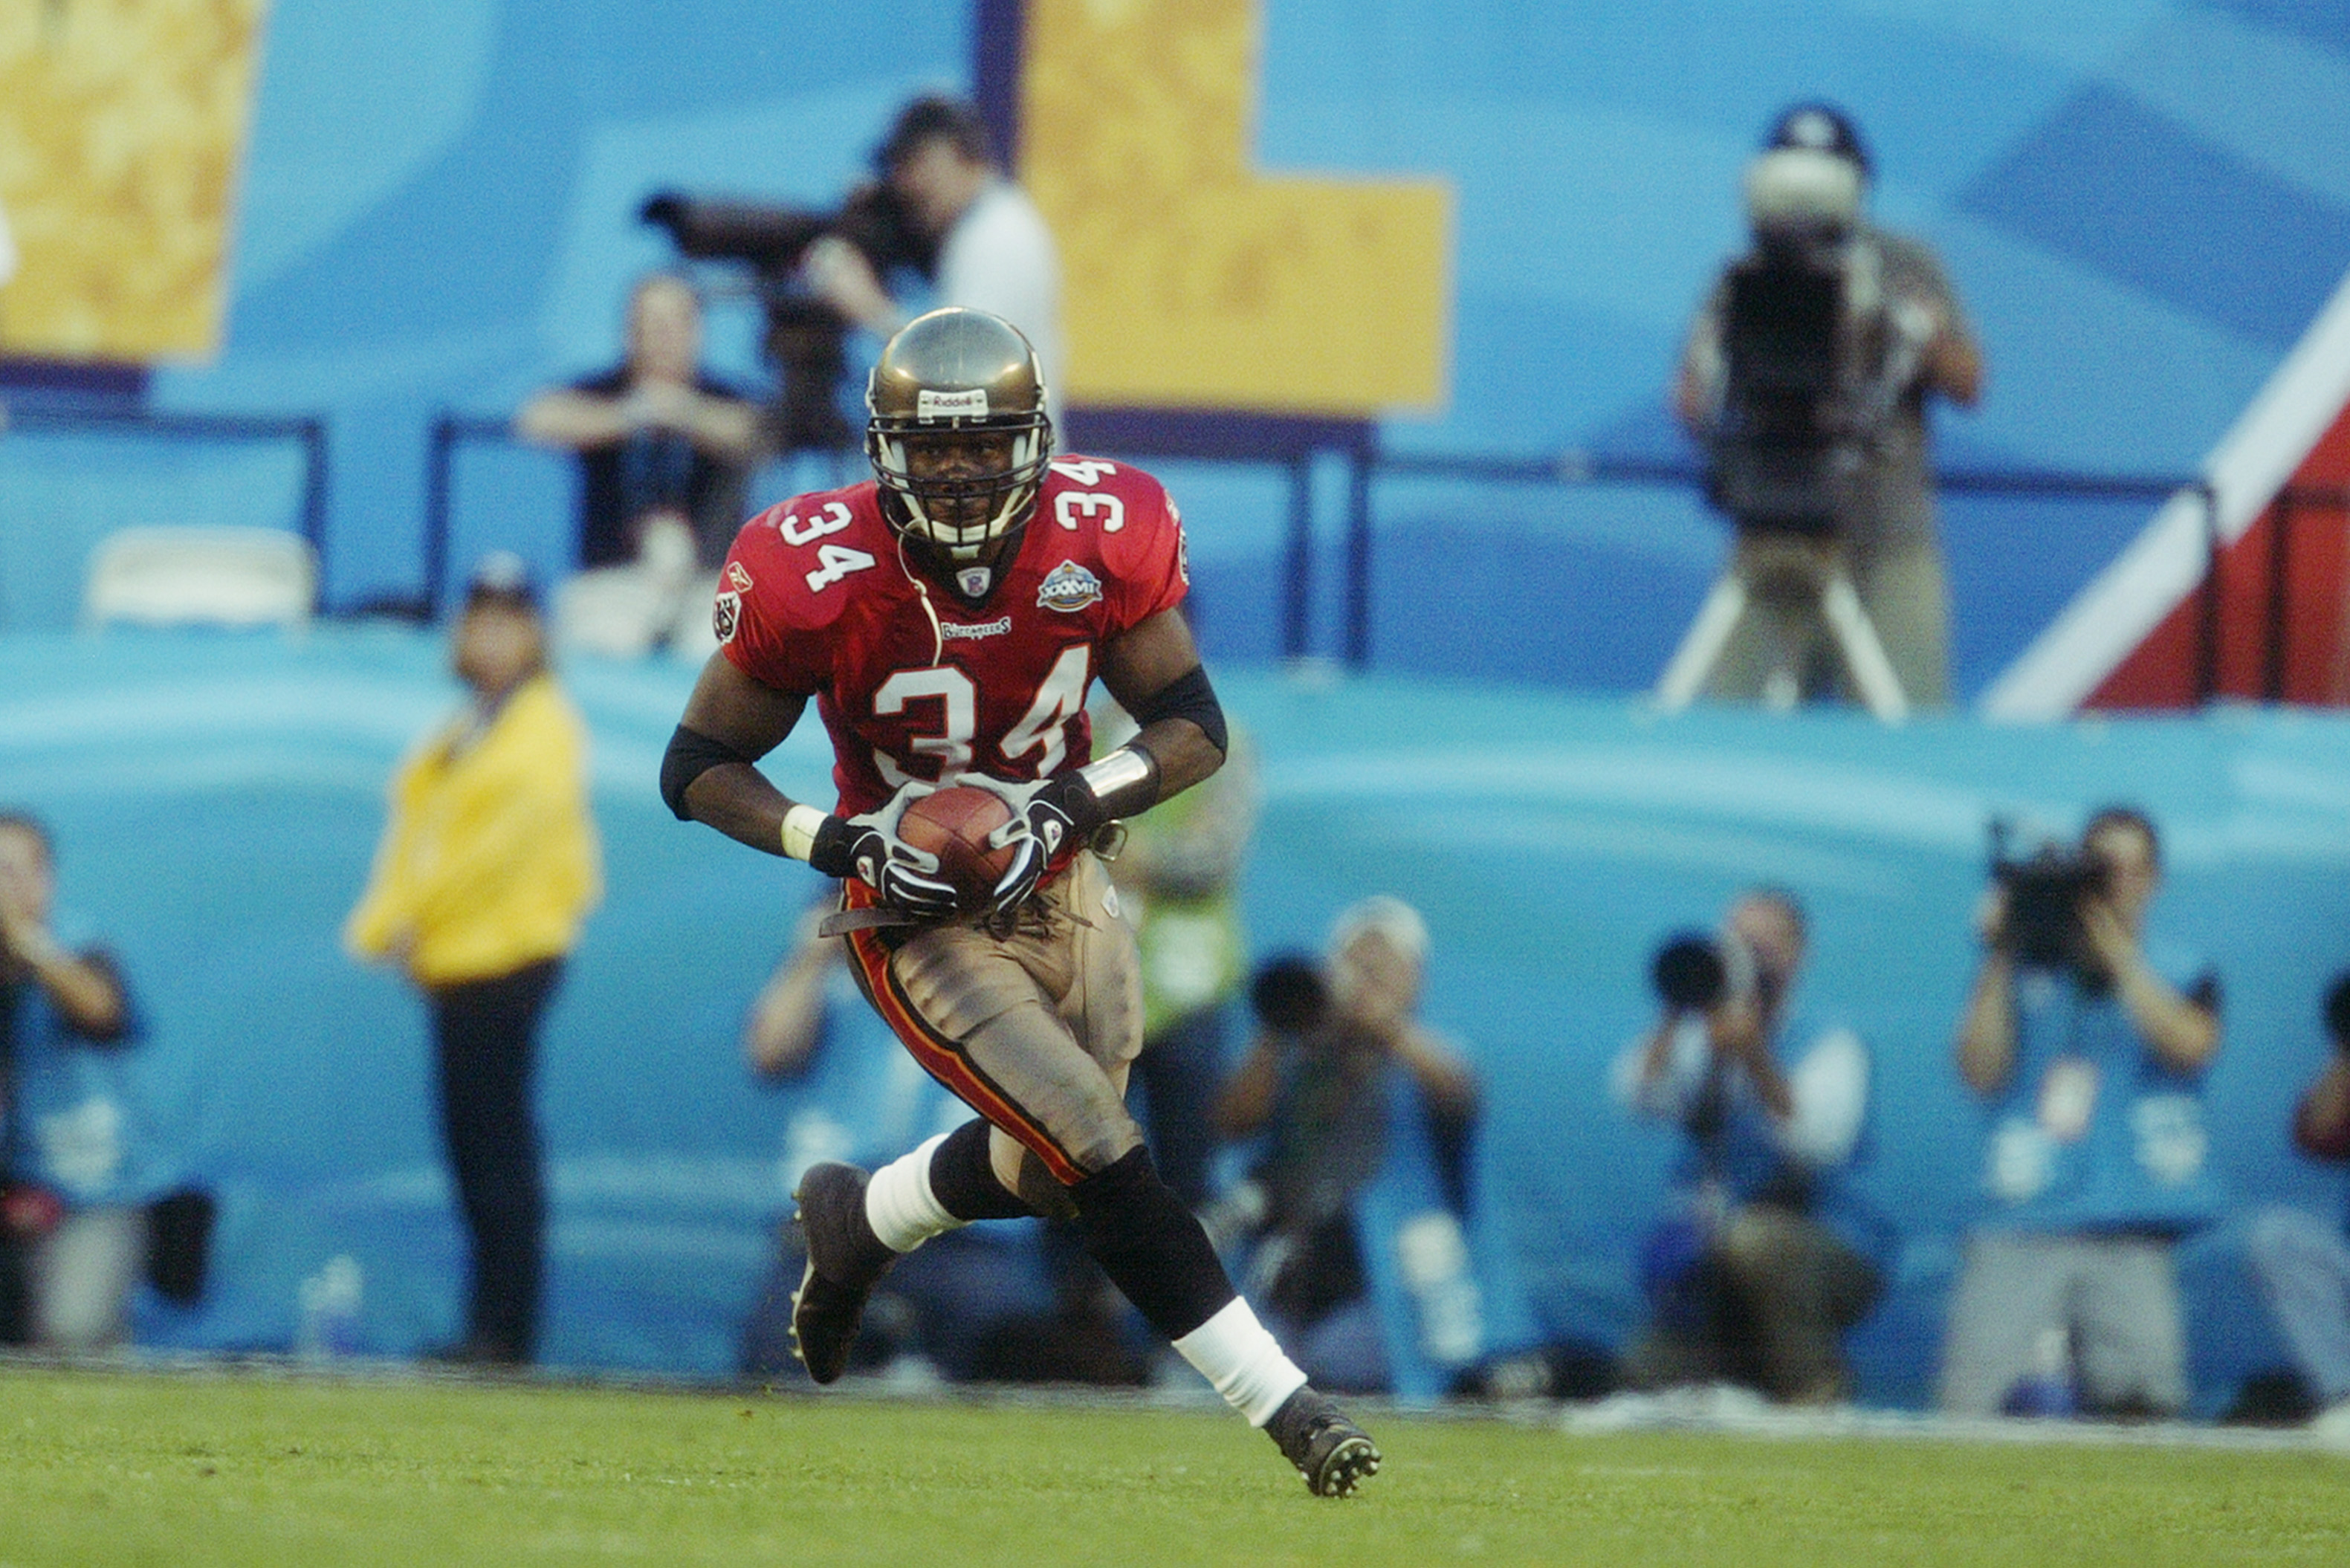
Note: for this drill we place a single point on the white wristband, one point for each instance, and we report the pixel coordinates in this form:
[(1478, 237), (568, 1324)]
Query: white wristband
[(800, 825)]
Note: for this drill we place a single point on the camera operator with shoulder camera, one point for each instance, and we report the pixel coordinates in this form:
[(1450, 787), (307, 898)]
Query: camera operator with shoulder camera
[(1805, 377), (2089, 1043), (1765, 1260), (989, 244)]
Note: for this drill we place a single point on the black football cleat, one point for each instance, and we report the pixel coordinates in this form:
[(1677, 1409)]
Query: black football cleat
[(844, 1260), (1331, 1452)]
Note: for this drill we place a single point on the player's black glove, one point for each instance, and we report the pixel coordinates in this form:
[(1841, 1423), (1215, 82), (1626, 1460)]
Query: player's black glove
[(1045, 817), (867, 848)]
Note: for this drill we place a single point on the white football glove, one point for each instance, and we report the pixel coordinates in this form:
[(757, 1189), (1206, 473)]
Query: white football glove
[(868, 847), (1043, 819)]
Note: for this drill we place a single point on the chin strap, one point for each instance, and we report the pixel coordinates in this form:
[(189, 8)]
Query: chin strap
[(938, 635)]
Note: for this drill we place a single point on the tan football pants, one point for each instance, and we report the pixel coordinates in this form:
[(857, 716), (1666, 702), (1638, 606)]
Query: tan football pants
[(1036, 1030)]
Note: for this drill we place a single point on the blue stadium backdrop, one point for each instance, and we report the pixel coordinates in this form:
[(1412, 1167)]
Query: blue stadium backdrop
[(216, 802), (2143, 203)]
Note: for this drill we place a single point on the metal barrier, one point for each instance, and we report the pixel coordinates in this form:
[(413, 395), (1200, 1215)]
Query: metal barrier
[(307, 429), (1576, 468), (1367, 463), (449, 432), (1286, 444), (2285, 512)]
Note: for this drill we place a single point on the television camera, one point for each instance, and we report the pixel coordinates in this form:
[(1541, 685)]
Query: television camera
[(1697, 971), (804, 338), (2045, 889), (1815, 359)]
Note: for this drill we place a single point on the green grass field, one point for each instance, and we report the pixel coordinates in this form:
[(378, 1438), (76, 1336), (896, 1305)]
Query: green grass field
[(130, 1468)]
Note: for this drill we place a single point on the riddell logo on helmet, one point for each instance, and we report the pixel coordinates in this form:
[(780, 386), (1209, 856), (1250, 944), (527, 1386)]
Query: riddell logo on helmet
[(931, 405)]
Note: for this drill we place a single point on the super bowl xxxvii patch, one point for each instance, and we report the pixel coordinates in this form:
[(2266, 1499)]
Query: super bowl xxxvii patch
[(725, 615), (1068, 588)]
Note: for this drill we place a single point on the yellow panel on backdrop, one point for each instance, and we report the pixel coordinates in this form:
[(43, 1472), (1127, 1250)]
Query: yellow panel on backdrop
[(122, 126), (1191, 280)]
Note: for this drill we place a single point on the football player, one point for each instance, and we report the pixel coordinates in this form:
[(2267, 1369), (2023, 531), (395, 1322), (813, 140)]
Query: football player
[(948, 616)]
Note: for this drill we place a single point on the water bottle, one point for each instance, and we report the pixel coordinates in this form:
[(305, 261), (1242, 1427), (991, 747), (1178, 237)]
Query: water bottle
[(330, 1301)]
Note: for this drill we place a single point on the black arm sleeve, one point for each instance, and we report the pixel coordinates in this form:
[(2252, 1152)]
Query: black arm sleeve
[(691, 754), (1189, 696)]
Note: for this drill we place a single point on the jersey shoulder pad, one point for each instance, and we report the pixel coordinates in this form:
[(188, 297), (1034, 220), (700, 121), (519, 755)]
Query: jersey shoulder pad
[(1119, 512), (1120, 519), (789, 562)]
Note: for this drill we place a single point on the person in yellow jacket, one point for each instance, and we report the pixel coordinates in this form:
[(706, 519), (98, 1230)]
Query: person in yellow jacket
[(487, 868)]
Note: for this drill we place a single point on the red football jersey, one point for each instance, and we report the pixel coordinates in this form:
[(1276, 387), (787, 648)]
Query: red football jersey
[(816, 599)]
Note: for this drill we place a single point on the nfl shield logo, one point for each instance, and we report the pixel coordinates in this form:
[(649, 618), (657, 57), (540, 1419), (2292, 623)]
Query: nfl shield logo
[(975, 581)]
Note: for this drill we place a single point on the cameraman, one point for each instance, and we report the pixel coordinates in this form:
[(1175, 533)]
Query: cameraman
[(2301, 1261), (993, 251), (2092, 1065), (1901, 339), (1762, 1267)]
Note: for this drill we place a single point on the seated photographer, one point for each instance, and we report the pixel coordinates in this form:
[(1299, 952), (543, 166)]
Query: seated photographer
[(665, 447), (1762, 1265), (2302, 1260), (1806, 375), (992, 250), (1316, 1087), (2088, 1041)]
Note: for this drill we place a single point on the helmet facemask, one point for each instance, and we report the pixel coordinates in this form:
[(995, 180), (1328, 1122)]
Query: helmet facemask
[(959, 509)]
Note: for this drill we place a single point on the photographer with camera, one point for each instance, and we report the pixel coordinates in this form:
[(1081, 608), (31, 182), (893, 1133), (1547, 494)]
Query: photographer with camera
[(1805, 377), (1315, 1088), (2089, 1043), (988, 244), (2301, 1261), (1763, 1260)]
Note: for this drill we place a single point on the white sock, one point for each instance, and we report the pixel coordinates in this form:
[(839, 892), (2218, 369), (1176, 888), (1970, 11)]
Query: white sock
[(899, 1205), (1237, 1353)]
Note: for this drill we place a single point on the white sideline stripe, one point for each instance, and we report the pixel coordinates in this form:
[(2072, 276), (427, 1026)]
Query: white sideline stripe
[(1734, 1413), (2124, 602)]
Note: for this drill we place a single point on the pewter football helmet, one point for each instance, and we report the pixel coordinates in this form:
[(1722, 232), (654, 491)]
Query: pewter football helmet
[(955, 373)]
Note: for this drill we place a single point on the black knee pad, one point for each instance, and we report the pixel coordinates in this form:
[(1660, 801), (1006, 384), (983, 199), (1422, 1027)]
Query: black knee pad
[(1150, 1245)]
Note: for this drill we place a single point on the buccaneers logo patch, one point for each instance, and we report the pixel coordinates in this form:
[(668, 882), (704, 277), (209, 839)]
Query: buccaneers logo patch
[(726, 615), (1068, 588)]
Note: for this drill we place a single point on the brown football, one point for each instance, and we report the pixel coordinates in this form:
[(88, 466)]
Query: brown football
[(953, 825)]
